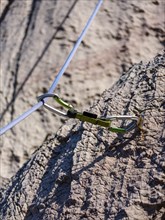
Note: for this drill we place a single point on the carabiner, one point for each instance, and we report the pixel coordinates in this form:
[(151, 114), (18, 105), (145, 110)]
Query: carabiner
[(128, 128), (50, 108)]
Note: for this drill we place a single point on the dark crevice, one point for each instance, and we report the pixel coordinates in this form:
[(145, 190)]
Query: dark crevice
[(33, 15), (150, 208), (30, 23), (5, 11)]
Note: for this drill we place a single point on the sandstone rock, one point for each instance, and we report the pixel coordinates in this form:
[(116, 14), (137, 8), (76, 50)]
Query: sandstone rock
[(86, 172), (37, 36)]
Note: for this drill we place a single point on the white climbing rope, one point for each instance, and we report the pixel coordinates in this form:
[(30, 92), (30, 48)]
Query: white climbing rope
[(59, 75)]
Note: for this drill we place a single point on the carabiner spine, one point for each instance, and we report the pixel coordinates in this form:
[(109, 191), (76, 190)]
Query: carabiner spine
[(122, 117), (62, 102)]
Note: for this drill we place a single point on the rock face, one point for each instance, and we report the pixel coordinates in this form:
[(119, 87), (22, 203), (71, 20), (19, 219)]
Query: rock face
[(37, 36), (87, 172)]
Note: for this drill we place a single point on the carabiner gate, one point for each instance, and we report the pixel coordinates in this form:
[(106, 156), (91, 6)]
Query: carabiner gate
[(50, 108)]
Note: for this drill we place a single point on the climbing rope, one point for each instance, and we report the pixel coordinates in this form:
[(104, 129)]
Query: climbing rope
[(91, 117), (59, 75)]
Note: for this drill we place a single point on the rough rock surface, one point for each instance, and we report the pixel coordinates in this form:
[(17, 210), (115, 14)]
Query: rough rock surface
[(36, 37), (87, 172)]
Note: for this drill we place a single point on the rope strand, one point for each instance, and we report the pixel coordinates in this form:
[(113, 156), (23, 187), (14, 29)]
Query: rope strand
[(59, 75)]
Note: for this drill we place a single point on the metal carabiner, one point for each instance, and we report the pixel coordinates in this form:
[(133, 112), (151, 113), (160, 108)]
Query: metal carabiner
[(129, 127), (50, 108)]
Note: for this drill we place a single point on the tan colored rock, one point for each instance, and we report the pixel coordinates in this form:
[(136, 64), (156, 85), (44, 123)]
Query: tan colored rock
[(37, 36), (86, 172)]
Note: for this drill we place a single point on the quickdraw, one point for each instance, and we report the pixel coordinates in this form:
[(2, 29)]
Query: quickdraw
[(91, 117)]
